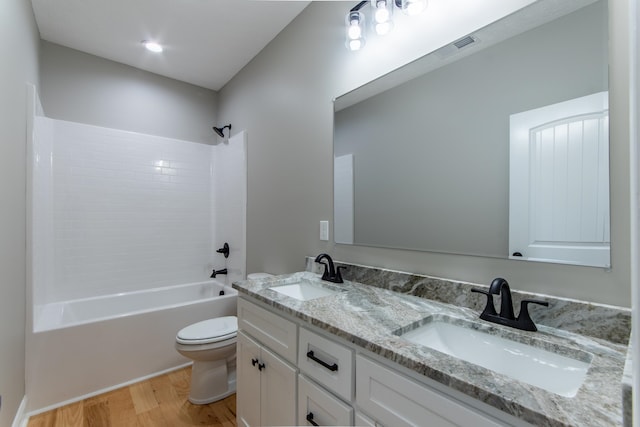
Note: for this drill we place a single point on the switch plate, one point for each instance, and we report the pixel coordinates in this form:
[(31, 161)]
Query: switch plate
[(324, 230)]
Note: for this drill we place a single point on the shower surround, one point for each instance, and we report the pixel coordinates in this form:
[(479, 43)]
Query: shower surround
[(129, 211), (118, 212)]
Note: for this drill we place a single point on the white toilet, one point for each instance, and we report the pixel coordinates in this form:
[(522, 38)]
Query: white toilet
[(211, 344)]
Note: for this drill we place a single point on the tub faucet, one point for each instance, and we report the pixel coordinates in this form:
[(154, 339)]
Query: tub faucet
[(506, 316), (331, 274), (216, 272)]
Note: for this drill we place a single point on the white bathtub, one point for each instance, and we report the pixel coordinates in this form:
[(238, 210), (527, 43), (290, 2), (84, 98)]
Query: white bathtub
[(84, 347)]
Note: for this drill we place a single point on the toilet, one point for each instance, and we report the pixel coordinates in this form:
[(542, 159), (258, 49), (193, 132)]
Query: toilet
[(211, 344)]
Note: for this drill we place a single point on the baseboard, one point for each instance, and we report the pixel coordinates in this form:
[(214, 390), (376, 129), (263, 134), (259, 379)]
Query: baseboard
[(96, 393), (21, 419)]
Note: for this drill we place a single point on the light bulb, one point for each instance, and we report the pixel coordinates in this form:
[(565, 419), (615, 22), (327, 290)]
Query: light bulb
[(413, 7), (382, 14), (355, 44), (383, 28), (354, 31)]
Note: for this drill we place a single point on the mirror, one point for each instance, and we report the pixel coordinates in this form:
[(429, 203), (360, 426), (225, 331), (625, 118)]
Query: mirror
[(422, 154)]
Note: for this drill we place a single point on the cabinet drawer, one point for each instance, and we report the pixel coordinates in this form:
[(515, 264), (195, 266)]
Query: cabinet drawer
[(316, 405), (273, 331), (396, 400), (327, 362)]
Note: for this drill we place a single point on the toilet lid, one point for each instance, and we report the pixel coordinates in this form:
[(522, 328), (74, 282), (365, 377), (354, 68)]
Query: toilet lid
[(211, 330)]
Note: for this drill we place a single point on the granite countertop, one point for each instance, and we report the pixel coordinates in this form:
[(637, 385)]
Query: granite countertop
[(371, 317)]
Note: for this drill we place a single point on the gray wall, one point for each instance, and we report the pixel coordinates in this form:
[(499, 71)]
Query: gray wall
[(284, 100), (438, 145), (19, 43), (83, 88)]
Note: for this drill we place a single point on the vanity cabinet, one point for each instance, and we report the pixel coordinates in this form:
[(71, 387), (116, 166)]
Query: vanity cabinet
[(331, 382)]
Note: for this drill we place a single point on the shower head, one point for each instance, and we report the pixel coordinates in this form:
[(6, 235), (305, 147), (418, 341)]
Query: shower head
[(220, 131)]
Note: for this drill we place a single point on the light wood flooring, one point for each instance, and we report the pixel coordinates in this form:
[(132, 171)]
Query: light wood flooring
[(157, 402)]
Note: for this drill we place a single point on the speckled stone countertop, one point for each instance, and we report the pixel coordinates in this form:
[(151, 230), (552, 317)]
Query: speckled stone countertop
[(372, 318)]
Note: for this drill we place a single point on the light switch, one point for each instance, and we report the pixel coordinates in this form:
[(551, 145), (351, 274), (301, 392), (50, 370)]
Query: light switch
[(324, 230)]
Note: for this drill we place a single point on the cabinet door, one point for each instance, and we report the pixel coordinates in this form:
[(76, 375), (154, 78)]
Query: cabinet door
[(248, 382), (278, 391)]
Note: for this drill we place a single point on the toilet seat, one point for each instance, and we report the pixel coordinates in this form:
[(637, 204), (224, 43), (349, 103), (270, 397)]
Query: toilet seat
[(209, 331)]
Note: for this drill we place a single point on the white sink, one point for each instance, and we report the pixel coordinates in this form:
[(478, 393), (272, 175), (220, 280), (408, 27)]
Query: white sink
[(304, 291), (541, 368)]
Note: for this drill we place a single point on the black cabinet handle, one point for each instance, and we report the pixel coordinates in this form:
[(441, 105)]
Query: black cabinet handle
[(310, 419), (260, 366), (254, 361), (311, 356)]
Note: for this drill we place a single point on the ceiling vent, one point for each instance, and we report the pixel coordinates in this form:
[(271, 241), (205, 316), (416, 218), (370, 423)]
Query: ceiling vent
[(465, 41), (455, 47)]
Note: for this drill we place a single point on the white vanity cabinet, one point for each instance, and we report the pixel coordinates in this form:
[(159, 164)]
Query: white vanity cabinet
[(266, 381), (332, 382)]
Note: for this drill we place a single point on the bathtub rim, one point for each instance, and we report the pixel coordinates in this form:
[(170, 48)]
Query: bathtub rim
[(230, 292)]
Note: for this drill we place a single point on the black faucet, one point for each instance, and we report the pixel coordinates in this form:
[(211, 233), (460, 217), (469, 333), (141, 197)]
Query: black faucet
[(506, 316), (216, 272), (331, 274), (224, 250)]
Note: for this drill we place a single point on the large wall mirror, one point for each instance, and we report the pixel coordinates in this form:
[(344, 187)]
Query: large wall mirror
[(424, 155)]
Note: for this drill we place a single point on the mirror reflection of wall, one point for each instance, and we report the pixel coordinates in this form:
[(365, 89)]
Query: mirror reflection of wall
[(431, 156)]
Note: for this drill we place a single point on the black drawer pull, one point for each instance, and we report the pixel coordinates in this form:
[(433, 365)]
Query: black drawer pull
[(260, 366), (254, 361), (311, 356), (310, 419)]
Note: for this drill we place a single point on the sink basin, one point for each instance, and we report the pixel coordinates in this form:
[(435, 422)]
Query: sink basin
[(544, 368), (304, 291)]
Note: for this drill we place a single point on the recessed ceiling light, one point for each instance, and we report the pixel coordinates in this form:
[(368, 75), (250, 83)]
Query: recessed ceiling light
[(152, 46)]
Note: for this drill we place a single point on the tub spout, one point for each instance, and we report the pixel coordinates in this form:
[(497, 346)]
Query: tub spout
[(216, 272)]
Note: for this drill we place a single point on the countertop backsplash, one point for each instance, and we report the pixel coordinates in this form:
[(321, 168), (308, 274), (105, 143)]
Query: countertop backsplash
[(600, 321)]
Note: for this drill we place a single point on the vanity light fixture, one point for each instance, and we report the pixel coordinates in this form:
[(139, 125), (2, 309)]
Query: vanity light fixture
[(355, 30), (382, 17), (382, 20), (152, 46)]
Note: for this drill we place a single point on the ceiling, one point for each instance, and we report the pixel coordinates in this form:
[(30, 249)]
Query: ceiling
[(206, 42)]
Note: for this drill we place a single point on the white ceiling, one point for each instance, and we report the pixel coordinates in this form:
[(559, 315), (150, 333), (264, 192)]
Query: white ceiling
[(206, 41)]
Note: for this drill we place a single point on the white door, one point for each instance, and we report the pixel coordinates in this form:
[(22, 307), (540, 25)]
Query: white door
[(248, 382), (559, 183)]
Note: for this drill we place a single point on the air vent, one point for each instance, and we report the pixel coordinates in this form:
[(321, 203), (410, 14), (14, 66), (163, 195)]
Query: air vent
[(465, 41)]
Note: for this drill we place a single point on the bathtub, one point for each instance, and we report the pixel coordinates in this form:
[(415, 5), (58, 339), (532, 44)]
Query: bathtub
[(84, 347)]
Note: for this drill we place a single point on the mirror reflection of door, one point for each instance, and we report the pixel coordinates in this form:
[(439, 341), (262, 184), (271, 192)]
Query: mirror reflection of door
[(559, 183)]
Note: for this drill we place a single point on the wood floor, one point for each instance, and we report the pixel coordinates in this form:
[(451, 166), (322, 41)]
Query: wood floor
[(157, 402)]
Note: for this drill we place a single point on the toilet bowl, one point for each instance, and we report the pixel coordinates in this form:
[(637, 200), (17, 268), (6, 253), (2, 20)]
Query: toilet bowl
[(211, 344)]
